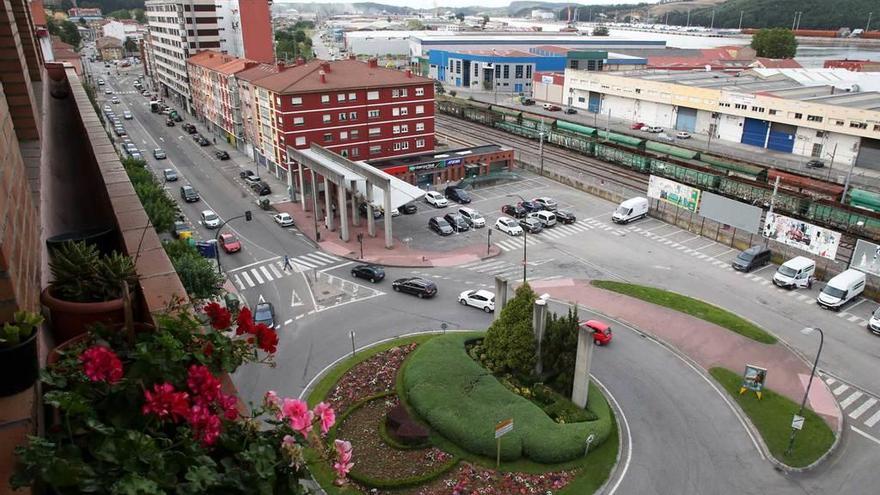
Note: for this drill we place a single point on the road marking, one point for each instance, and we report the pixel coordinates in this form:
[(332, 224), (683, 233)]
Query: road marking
[(853, 318), (856, 304), (254, 264), (256, 275), (239, 282), (863, 408), (266, 273), (869, 437), (311, 258), (849, 400), (870, 422), (337, 266), (830, 381), (300, 261), (703, 247), (319, 255), (247, 279), (763, 267), (288, 322), (275, 271), (841, 389)]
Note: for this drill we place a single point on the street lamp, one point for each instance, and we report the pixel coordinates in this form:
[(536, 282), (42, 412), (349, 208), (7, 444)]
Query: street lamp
[(247, 217), (541, 146), (525, 234), (805, 331)]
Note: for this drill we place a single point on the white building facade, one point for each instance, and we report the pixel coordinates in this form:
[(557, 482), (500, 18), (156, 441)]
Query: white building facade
[(122, 30)]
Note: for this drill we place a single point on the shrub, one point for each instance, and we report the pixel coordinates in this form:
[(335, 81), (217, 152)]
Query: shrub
[(198, 275), (559, 349), (465, 402), (510, 341), (160, 208)]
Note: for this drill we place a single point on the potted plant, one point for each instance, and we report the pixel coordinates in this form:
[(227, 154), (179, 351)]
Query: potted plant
[(87, 288), (147, 413), (18, 352)]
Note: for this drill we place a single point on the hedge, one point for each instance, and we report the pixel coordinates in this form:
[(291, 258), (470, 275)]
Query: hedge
[(464, 402)]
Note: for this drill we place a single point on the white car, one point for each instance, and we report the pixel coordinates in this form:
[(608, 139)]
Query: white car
[(547, 203), (210, 219), (436, 199), (472, 217), (481, 299), (683, 135), (127, 115), (283, 219), (653, 129), (509, 226)]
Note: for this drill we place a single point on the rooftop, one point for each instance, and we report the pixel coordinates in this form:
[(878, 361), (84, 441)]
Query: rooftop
[(436, 155), (108, 42), (258, 72), (318, 75), (220, 62)]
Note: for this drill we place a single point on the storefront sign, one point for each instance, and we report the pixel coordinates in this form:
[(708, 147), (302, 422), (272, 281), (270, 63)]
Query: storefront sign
[(433, 165)]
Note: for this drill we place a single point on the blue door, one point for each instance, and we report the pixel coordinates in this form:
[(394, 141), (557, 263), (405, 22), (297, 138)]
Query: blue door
[(686, 119), (595, 104), (781, 137), (517, 87), (458, 81), (755, 132)]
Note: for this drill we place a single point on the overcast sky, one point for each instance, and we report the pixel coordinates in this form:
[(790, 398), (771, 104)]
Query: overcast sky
[(429, 4)]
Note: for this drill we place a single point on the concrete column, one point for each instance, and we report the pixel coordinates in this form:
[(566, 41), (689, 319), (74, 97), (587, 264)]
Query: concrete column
[(328, 211), (500, 296), (581, 388), (342, 207), (302, 189), (371, 222), (355, 214), (290, 181), (539, 322), (389, 239)]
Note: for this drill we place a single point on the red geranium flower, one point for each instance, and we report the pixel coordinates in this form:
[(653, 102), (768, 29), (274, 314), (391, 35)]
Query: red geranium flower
[(100, 364), (165, 402), (205, 424), (204, 385), (267, 339), (245, 322), (220, 317), (229, 403)]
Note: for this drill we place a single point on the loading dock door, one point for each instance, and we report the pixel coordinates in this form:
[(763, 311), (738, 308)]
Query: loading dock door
[(686, 119), (781, 137), (595, 103), (755, 132), (869, 154)]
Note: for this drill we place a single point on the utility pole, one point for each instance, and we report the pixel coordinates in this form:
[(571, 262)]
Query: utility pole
[(846, 182), (794, 21), (770, 210), (740, 20), (799, 17), (689, 18), (712, 23), (868, 25), (541, 146)]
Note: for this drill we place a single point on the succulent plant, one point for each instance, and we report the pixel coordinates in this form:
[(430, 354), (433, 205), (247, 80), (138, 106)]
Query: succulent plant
[(81, 274), (22, 326)]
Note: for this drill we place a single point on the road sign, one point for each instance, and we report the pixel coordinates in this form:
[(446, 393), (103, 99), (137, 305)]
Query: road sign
[(503, 427), (797, 422)]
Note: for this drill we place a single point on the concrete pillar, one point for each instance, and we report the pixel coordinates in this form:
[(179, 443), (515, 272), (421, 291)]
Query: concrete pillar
[(389, 239), (328, 211), (290, 181), (500, 296), (581, 388), (539, 322), (342, 207), (371, 222), (355, 213), (302, 189)]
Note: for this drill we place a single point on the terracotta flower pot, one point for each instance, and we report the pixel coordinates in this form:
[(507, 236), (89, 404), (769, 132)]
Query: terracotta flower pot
[(18, 366), (70, 319)]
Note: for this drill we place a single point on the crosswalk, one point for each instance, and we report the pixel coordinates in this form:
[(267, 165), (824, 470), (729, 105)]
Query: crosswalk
[(269, 270), (861, 407), (506, 269), (558, 231)]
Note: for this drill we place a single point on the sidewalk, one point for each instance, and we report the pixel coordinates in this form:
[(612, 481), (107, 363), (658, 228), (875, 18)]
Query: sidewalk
[(708, 345), (400, 255)]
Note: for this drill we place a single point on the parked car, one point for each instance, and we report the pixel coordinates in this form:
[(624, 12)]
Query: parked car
[(874, 322), (531, 225), (107, 109), (100, 82), (408, 209), (170, 123), (565, 217), (114, 100), (546, 203), (416, 286), (683, 135), (571, 111), (457, 221), (249, 176), (531, 206), (261, 188), (120, 131), (127, 115), (547, 218), (283, 219), (159, 154), (457, 194), (264, 313), (201, 140), (189, 194), (552, 108), (373, 273), (815, 164), (751, 258), (481, 299), (665, 137), (210, 219), (527, 101), (189, 128), (601, 331), (653, 129), (508, 226), (136, 155), (108, 91), (170, 175), (180, 228), (436, 199), (377, 213), (514, 211), (222, 155), (473, 217), (440, 226), (229, 243)]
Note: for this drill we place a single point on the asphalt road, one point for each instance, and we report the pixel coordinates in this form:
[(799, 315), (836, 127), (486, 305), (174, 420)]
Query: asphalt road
[(686, 439)]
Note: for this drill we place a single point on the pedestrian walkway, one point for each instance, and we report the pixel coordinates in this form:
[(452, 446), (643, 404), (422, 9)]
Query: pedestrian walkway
[(862, 408), (268, 270), (557, 232)]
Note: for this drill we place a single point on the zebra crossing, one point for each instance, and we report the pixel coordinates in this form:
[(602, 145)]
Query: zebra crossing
[(859, 406), (558, 231), (273, 269)]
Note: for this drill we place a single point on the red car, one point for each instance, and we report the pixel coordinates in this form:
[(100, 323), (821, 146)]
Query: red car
[(601, 331), (230, 243), (637, 126)]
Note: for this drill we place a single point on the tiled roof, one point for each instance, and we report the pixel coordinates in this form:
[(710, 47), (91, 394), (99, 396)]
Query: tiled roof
[(258, 72), (778, 63), (220, 62), (38, 12), (339, 74), (108, 42)]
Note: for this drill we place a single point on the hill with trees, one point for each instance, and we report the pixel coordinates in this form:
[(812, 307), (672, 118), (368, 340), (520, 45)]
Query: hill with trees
[(817, 14)]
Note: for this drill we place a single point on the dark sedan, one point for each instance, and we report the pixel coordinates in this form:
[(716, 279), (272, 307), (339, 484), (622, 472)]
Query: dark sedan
[(565, 217), (189, 128), (440, 226), (408, 209), (457, 222), (531, 225), (222, 155), (373, 273), (201, 140), (416, 286), (531, 206), (265, 313), (514, 211)]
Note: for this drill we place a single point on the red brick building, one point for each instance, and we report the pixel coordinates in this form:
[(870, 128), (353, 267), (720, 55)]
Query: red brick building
[(215, 94), (357, 109), (853, 65)]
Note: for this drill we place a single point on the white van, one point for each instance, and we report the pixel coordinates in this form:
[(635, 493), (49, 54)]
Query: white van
[(795, 273), (547, 218), (841, 289), (631, 209)]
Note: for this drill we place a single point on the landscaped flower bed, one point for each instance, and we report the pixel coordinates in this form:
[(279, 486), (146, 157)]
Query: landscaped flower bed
[(374, 376)]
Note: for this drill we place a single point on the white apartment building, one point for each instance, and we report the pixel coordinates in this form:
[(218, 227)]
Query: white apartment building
[(178, 29), (121, 30)]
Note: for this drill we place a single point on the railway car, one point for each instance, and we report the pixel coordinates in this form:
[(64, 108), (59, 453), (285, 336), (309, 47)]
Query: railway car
[(866, 200), (843, 217), (669, 150), (736, 169), (806, 185), (576, 128), (622, 139), (701, 177)]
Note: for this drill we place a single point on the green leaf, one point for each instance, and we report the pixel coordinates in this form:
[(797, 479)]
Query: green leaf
[(68, 401), (262, 458), (135, 484), (100, 427), (200, 478)]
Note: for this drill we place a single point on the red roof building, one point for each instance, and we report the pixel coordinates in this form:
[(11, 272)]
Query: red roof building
[(734, 58), (215, 92), (250, 111), (853, 65), (775, 63), (357, 109)]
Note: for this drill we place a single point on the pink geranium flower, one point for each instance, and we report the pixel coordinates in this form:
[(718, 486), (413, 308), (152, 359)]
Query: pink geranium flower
[(343, 463), (326, 415), (297, 412)]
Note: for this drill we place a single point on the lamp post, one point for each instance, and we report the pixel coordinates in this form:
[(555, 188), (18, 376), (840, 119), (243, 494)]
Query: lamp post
[(806, 331), (541, 147), (247, 216), (525, 235)]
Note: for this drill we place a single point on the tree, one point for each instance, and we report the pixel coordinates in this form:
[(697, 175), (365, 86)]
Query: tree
[(299, 36), (600, 31), (197, 274), (559, 349), (120, 14), (510, 341), (460, 16), (130, 45), (140, 16), (485, 20), (69, 33), (774, 43), (415, 25)]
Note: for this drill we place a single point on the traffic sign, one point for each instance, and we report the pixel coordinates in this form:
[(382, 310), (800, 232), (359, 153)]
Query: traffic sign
[(503, 427), (797, 422)]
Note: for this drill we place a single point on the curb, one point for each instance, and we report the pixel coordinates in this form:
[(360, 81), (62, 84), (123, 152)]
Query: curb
[(493, 253)]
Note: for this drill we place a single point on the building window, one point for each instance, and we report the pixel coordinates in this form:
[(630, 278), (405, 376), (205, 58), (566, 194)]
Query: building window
[(404, 128), (506, 71), (340, 97), (280, 120), (328, 137), (858, 125), (395, 111), (518, 71), (372, 95), (838, 122), (300, 141), (373, 114), (497, 71), (758, 109), (325, 98), (740, 106), (814, 118), (772, 112), (420, 109), (278, 100), (326, 118), (355, 152), (798, 115), (404, 92), (420, 91), (404, 111), (343, 135), (375, 150), (296, 100), (298, 121), (352, 115), (395, 129), (528, 72), (344, 153), (396, 146), (876, 127), (343, 116), (420, 126), (458, 66), (420, 143), (355, 133), (375, 131), (395, 93), (352, 96)]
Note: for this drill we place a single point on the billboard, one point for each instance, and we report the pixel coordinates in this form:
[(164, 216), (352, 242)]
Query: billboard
[(754, 378), (674, 193), (866, 257), (741, 216), (802, 235)]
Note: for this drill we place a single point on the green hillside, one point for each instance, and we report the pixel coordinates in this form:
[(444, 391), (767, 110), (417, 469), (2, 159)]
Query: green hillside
[(817, 14)]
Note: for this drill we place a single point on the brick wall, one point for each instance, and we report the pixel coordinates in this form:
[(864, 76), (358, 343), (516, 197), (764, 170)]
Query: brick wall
[(19, 225), (16, 75)]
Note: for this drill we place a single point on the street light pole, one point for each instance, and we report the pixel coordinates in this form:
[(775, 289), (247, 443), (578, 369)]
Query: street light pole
[(809, 383), (541, 147), (525, 235), (246, 216)]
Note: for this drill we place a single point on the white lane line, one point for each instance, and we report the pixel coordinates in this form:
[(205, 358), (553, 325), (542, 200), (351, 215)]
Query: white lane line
[(322, 254), (504, 248), (266, 273), (870, 422), (869, 437), (863, 408), (703, 247), (725, 252), (239, 282), (300, 261), (853, 318), (841, 389), (310, 257), (852, 398), (254, 264), (763, 267), (256, 275), (275, 271), (288, 322), (329, 268), (830, 381), (860, 301), (247, 279)]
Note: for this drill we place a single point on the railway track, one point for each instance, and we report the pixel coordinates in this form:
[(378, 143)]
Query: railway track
[(470, 134)]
